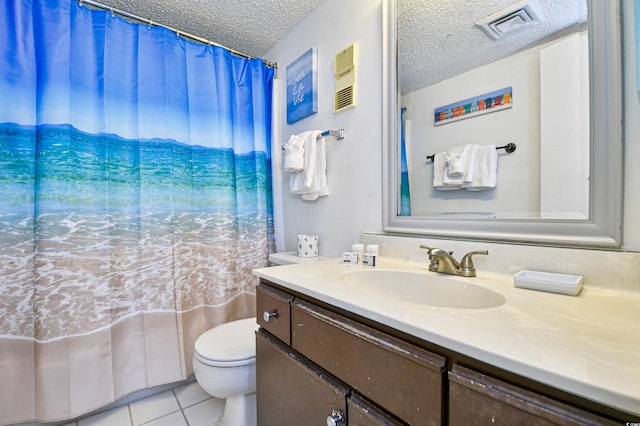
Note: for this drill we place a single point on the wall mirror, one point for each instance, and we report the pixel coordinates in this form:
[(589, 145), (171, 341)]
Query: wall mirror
[(558, 85)]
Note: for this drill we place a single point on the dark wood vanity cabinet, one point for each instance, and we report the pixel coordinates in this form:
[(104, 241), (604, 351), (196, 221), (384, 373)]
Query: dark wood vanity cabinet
[(314, 361), (274, 312), (362, 413), (401, 378), (477, 399), (335, 365), (291, 391)]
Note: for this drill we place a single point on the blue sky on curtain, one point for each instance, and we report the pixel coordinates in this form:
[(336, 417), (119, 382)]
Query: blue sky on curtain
[(136, 180)]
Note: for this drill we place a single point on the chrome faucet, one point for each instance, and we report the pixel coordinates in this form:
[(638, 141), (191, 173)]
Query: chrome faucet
[(443, 261)]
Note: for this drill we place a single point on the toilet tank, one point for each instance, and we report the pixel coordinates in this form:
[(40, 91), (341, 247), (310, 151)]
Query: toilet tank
[(291, 257)]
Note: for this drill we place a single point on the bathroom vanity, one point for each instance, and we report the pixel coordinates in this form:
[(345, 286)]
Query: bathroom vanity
[(331, 347)]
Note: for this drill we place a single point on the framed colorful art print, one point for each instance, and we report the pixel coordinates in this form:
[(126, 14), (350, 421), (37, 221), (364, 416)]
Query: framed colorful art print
[(472, 107)]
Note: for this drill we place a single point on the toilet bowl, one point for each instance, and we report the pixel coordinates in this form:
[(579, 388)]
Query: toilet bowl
[(224, 363)]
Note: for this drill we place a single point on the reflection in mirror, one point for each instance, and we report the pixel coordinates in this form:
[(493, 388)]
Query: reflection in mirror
[(542, 68), (461, 93)]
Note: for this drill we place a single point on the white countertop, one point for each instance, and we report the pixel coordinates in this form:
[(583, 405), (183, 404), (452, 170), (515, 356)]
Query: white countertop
[(587, 345), (290, 257)]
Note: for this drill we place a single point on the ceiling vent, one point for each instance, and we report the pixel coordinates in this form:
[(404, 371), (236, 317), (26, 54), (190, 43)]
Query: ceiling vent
[(520, 15)]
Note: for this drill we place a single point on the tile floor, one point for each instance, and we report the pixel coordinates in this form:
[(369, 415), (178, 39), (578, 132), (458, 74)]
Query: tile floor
[(186, 405)]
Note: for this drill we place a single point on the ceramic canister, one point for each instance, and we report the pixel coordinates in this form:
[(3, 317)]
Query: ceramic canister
[(307, 245)]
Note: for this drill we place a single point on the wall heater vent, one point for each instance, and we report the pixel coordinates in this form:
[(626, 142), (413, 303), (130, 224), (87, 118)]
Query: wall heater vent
[(344, 99), (344, 60), (344, 68)]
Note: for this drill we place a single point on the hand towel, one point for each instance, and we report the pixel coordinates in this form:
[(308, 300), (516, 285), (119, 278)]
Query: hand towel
[(485, 169), (439, 174), (465, 178), (319, 187), (455, 159), (293, 154), (301, 182)]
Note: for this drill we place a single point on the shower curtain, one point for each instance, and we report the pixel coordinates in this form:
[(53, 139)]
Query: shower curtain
[(135, 199), (405, 193)]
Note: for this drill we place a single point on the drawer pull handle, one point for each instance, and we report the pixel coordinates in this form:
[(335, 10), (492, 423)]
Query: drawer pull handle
[(268, 315), (335, 418)]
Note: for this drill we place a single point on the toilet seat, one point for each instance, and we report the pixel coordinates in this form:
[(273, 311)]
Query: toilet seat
[(230, 344)]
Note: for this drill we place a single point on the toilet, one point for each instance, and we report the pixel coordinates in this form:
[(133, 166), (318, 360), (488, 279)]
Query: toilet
[(224, 363)]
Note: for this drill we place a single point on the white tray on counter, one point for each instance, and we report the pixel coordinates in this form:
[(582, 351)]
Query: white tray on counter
[(548, 281)]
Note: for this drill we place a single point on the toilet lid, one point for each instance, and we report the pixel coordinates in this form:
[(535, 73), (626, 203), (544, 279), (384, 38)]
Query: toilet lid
[(230, 344)]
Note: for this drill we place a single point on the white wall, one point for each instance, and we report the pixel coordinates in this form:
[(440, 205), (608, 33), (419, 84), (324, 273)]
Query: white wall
[(354, 163), (564, 128)]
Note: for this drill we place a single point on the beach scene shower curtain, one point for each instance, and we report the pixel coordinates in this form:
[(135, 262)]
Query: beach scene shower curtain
[(405, 193), (135, 199)]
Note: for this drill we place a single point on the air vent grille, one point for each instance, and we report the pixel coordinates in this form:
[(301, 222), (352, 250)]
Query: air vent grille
[(344, 60), (520, 15), (344, 99)]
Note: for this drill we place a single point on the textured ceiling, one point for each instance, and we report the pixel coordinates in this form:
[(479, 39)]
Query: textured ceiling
[(249, 26), (437, 38)]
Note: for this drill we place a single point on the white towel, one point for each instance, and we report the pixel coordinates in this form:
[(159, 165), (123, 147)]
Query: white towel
[(485, 169), (311, 182), (293, 154), (466, 176), (319, 187), (300, 183), (439, 174), (455, 159)]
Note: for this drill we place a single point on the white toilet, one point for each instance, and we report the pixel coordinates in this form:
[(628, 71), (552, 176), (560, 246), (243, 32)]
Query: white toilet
[(224, 363)]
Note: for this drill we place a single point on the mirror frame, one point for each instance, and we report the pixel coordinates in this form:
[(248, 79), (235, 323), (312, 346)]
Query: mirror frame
[(604, 228)]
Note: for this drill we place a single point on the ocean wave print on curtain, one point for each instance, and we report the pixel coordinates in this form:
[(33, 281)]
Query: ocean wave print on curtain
[(136, 199)]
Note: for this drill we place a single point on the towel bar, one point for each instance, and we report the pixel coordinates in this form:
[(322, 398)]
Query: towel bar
[(338, 134), (510, 147)]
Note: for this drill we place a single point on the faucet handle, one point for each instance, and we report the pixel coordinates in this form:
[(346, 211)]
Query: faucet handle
[(432, 250), (467, 268)]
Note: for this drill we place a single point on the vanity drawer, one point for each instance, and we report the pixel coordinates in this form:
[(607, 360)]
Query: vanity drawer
[(273, 312), (478, 399), (291, 391), (401, 378), (361, 413)]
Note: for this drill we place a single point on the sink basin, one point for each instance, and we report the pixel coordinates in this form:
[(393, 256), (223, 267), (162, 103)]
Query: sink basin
[(422, 289)]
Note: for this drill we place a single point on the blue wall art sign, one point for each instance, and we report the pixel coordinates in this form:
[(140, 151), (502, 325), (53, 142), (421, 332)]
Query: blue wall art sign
[(302, 86)]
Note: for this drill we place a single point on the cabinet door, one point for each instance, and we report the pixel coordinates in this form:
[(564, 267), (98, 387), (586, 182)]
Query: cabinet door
[(476, 399), (273, 312), (403, 379), (290, 391), (362, 413)]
